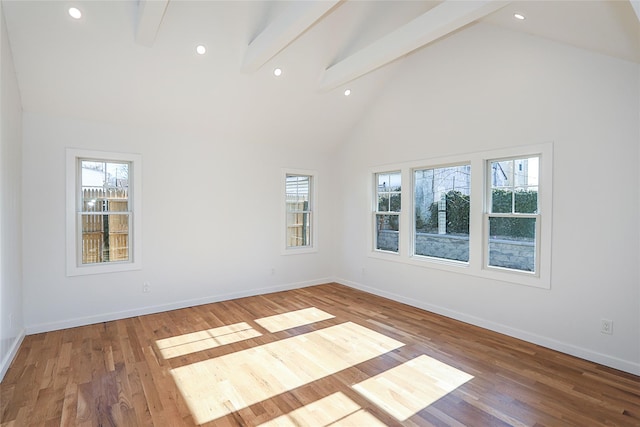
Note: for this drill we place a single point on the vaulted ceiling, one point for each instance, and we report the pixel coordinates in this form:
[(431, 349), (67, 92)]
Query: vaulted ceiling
[(135, 63)]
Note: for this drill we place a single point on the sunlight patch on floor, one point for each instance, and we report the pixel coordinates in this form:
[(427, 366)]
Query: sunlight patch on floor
[(334, 410), (216, 387), (293, 319), (205, 340), (412, 386)]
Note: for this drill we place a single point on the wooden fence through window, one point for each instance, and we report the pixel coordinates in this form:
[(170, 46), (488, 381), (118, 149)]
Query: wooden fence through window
[(105, 225)]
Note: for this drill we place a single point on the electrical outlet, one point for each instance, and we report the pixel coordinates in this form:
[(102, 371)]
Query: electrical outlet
[(606, 326), (146, 287)]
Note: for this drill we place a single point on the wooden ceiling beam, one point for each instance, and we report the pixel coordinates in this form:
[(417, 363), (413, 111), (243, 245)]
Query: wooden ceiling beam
[(636, 7), (426, 28), (295, 20), (150, 14)]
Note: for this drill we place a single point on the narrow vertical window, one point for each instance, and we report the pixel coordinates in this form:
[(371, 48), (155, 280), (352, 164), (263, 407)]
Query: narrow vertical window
[(299, 211), (513, 217), (441, 222), (103, 212), (387, 211)]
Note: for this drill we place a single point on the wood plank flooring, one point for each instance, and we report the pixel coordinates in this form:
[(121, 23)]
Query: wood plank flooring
[(325, 355)]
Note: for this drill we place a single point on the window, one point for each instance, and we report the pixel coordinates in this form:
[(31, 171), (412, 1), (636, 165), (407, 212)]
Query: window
[(103, 207), (300, 221), (513, 214), (485, 214), (441, 222), (387, 211)]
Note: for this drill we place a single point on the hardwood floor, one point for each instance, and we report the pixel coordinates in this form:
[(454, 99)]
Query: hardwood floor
[(318, 356)]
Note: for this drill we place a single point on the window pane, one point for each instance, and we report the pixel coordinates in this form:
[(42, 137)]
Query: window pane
[(104, 174), (442, 212), (383, 203), (502, 174), (501, 200), (387, 226), (526, 200), (388, 182), (389, 192), (298, 206), (298, 229), (105, 186), (105, 238), (514, 185), (512, 243), (297, 191)]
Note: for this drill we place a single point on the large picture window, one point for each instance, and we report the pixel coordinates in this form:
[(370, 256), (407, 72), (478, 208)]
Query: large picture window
[(103, 206), (441, 223), (387, 211)]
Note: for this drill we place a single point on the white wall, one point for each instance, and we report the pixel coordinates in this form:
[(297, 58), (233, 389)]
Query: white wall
[(211, 223), (11, 319), (211, 217), (487, 88)]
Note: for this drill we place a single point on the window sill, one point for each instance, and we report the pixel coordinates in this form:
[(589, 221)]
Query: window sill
[(299, 251), (73, 270), (467, 268)]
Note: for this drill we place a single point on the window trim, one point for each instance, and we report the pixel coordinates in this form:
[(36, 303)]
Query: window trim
[(74, 267), (475, 266), (313, 209)]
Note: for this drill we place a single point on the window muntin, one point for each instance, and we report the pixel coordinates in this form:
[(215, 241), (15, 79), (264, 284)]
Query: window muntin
[(387, 210), (442, 209), (103, 211), (513, 220), (299, 210)]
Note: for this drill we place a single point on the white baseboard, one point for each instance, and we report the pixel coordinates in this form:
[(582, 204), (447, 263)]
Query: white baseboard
[(13, 351), (107, 317), (583, 353)]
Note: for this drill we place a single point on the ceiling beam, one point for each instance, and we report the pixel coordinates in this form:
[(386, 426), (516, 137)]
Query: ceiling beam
[(150, 14), (288, 26), (636, 7), (432, 25)]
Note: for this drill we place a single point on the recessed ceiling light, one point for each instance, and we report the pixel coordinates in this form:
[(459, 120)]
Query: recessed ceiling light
[(75, 13), (518, 16), (201, 49), (347, 92), (277, 72)]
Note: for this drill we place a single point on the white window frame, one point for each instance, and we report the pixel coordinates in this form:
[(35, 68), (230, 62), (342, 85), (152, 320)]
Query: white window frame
[(313, 210), (74, 225), (376, 212), (488, 214), (476, 266)]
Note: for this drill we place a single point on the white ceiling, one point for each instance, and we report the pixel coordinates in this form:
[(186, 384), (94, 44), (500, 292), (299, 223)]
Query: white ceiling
[(119, 65)]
